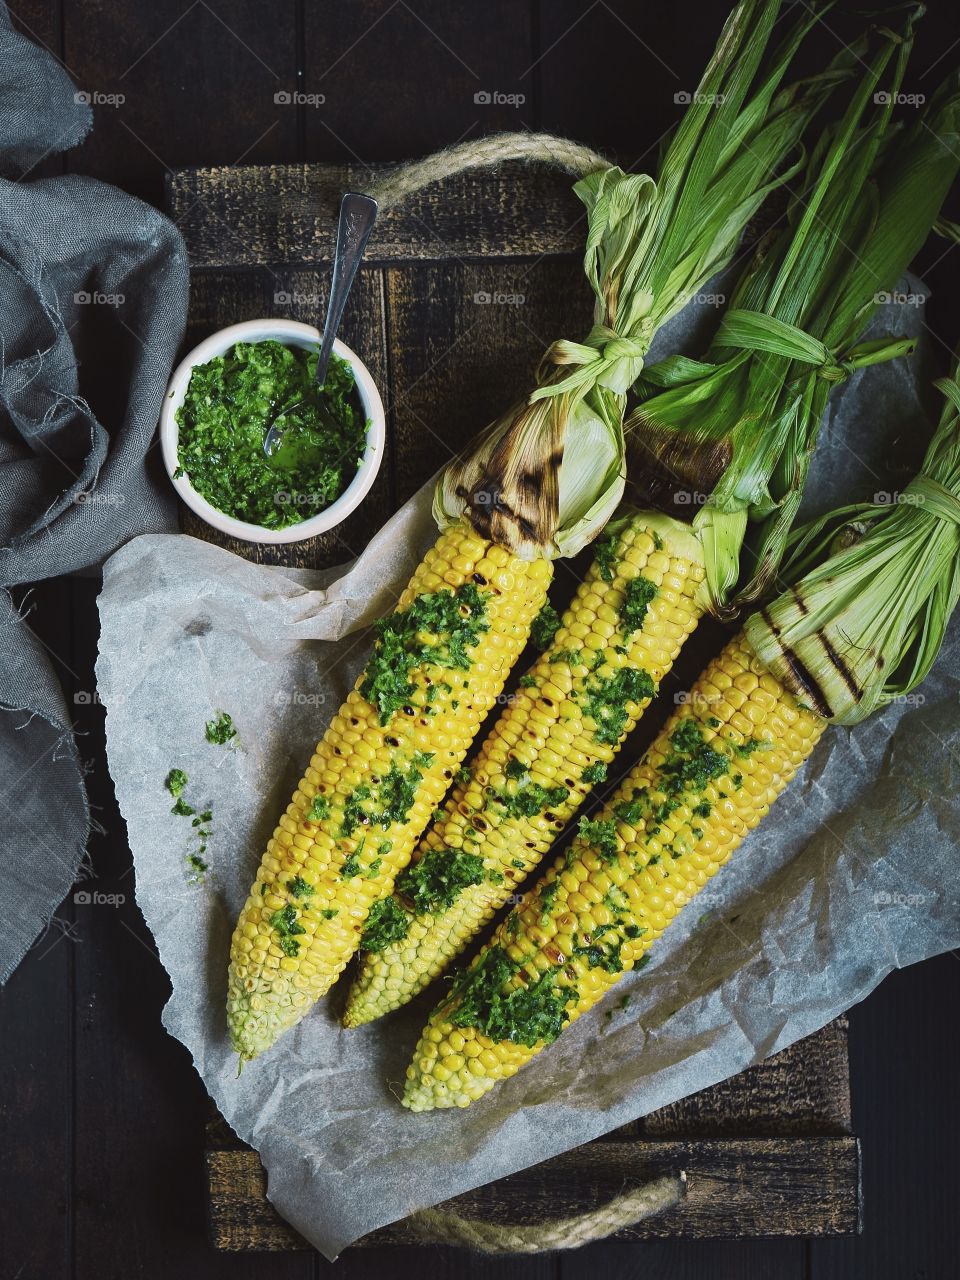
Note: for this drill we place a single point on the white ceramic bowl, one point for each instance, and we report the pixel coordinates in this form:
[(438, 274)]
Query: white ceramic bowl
[(293, 334)]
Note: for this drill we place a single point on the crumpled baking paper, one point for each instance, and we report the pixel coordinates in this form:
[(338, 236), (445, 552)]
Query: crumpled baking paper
[(855, 872)]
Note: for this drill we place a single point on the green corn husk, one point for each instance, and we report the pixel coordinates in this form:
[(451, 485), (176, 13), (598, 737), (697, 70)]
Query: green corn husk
[(874, 588), (736, 431), (544, 479)]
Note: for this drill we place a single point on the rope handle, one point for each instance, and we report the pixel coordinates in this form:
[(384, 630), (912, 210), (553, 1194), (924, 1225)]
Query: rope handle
[(533, 148), (442, 1226)]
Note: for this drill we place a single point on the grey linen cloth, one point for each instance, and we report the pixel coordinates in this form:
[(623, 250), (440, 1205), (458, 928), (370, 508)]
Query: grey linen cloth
[(84, 268)]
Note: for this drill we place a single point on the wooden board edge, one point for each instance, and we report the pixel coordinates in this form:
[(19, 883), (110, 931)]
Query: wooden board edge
[(286, 214), (739, 1188)]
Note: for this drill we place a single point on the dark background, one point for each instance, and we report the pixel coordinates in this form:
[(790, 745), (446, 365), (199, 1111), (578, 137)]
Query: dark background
[(102, 1114)]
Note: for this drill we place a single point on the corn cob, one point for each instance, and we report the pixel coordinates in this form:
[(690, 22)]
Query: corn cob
[(620, 636), (383, 765), (709, 778), (871, 592)]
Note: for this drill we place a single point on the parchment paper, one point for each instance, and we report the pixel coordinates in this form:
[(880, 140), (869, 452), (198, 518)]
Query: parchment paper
[(855, 872)]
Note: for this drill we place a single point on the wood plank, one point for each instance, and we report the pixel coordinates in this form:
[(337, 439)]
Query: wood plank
[(386, 1262), (763, 1187), (627, 62), (804, 1089), (36, 1062), (197, 82), (457, 361), (420, 66), (905, 1044), (36, 1087), (250, 215), (688, 1260), (41, 21)]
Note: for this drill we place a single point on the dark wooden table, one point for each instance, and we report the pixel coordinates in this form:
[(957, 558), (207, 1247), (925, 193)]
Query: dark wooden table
[(101, 1115)]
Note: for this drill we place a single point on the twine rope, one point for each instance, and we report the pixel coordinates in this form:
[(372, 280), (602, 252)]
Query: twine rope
[(532, 148), (559, 1233)]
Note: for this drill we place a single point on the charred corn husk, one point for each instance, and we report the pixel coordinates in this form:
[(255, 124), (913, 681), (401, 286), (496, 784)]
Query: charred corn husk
[(709, 778), (381, 768), (873, 591), (561, 729)]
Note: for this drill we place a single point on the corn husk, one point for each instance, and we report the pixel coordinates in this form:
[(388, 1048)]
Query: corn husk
[(543, 479), (735, 432), (873, 588)]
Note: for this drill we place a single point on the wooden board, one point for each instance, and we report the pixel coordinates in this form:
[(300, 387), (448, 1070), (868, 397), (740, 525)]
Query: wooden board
[(462, 291), (767, 1153)]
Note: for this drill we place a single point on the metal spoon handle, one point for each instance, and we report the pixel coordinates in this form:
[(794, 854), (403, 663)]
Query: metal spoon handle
[(357, 216)]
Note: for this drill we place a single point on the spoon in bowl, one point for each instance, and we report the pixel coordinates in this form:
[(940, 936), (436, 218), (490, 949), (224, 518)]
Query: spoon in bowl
[(357, 216)]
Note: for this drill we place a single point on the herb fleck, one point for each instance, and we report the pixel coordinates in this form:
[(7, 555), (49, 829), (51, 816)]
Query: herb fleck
[(176, 782), (288, 929), (637, 599), (221, 730), (319, 809), (595, 773), (545, 626), (606, 558), (548, 895)]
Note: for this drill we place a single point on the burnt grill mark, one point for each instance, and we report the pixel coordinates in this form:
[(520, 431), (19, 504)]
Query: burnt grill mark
[(803, 678), (801, 603), (849, 679)]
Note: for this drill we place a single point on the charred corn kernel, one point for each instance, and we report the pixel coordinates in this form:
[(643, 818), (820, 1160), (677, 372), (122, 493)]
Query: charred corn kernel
[(690, 804), (383, 765), (565, 723)]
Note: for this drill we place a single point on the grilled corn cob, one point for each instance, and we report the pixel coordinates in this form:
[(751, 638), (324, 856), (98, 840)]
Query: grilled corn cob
[(709, 778), (641, 599), (383, 765), (873, 589)]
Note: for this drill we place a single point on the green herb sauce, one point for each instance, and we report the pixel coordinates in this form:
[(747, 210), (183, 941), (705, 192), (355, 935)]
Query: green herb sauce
[(605, 701), (453, 621), (229, 404), (288, 929), (637, 599), (527, 1015), (386, 924), (595, 773), (319, 809), (435, 882), (524, 798), (601, 836), (606, 557), (545, 626)]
